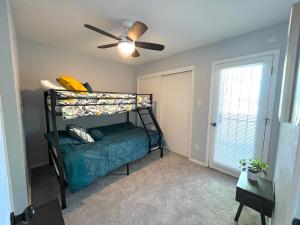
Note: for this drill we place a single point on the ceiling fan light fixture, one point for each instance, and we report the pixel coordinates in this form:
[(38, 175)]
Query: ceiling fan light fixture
[(128, 40), (126, 47)]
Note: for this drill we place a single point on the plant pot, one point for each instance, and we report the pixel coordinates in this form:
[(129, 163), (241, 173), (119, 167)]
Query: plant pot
[(252, 176)]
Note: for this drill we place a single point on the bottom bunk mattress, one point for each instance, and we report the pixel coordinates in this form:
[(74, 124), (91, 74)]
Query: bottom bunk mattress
[(121, 144)]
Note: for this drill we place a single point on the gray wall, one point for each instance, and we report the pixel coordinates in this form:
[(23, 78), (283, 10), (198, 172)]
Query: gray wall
[(202, 58), (11, 111), (41, 62), (287, 175)]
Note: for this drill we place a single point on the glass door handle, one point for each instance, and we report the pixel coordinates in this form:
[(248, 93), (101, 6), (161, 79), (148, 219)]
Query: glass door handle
[(266, 120), (214, 124)]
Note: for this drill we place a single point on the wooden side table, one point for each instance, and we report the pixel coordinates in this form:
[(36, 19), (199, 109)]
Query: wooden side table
[(257, 195)]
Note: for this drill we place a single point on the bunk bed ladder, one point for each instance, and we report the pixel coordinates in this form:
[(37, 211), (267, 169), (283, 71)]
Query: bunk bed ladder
[(148, 112)]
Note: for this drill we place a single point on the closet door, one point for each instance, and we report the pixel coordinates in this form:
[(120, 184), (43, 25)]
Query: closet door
[(176, 111), (152, 85)]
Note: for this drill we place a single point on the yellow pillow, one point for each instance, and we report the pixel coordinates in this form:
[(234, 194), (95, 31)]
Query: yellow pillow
[(71, 83)]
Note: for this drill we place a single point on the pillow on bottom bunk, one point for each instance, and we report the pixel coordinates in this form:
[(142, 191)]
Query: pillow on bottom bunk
[(64, 138), (96, 133), (79, 133)]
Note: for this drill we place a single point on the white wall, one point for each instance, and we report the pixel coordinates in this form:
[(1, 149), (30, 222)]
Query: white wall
[(202, 58), (296, 211), (41, 62), (5, 192), (12, 122)]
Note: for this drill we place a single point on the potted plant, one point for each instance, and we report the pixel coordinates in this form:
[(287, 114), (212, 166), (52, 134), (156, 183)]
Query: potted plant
[(253, 167)]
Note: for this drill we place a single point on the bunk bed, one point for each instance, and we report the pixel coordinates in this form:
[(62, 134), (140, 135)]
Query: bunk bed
[(78, 164)]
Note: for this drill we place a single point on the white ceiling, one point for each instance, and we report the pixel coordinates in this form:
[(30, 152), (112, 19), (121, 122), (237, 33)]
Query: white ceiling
[(179, 25)]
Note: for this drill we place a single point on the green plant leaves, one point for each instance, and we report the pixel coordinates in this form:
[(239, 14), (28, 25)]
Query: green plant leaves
[(253, 165)]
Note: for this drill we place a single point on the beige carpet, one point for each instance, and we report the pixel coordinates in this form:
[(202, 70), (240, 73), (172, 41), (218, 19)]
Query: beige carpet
[(165, 191)]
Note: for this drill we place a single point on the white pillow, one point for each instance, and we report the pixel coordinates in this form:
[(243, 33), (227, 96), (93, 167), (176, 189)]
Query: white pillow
[(46, 85)]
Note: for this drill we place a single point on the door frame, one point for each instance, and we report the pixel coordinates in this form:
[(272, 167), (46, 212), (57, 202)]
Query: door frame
[(274, 74), (5, 163), (170, 72)]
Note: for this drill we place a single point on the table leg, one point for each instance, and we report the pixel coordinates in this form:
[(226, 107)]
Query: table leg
[(263, 220), (238, 213), (127, 169)]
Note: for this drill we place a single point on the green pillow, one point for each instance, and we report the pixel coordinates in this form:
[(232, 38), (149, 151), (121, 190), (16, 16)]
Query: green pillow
[(64, 138), (96, 134)]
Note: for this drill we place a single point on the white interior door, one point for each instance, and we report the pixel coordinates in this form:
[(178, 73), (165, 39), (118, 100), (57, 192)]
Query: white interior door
[(240, 112), (5, 206), (152, 85), (176, 111)]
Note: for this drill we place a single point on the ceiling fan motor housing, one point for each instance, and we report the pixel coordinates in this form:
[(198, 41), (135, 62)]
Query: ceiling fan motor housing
[(127, 24)]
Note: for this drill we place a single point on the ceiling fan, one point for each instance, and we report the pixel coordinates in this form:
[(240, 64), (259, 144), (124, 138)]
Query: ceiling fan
[(127, 41)]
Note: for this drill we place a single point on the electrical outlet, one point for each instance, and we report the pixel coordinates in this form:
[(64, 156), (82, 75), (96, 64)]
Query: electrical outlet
[(197, 147)]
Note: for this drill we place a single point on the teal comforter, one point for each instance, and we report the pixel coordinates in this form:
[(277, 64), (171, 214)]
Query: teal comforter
[(121, 144)]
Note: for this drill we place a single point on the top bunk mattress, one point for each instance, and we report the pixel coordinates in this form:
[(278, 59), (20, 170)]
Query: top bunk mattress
[(79, 104)]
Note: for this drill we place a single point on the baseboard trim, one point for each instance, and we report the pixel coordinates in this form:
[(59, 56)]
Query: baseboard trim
[(198, 162)]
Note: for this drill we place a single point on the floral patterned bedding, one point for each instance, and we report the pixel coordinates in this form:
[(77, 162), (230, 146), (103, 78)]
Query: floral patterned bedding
[(78, 104)]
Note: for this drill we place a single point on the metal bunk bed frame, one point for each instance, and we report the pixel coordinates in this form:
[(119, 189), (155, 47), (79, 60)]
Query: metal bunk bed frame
[(54, 153)]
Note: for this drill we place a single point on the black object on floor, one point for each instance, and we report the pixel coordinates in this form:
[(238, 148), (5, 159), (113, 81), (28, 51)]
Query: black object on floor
[(46, 214), (257, 195), (296, 222), (26, 217)]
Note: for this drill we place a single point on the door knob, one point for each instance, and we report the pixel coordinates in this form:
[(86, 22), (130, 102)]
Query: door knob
[(214, 124)]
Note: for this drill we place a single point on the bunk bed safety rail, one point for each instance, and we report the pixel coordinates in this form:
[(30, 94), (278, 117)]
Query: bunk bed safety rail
[(74, 104)]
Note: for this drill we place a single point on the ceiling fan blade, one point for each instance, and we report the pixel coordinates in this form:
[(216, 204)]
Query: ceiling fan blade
[(135, 53), (148, 45), (136, 30), (108, 46), (101, 32)]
